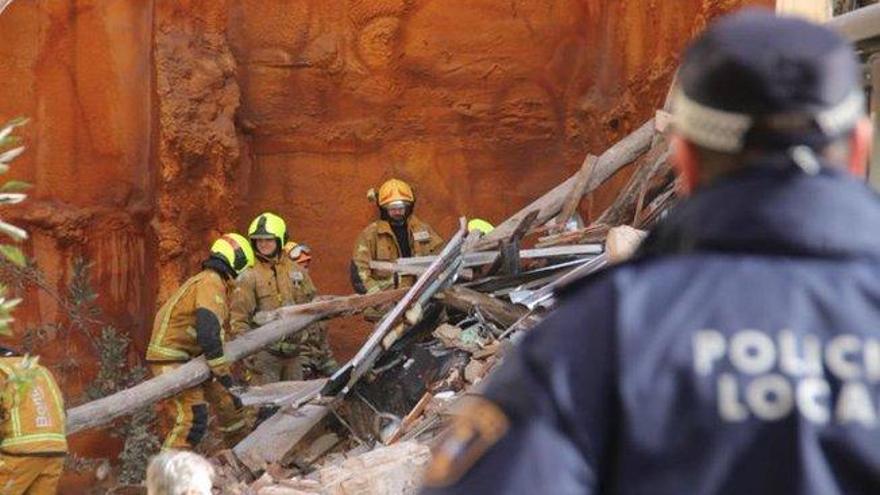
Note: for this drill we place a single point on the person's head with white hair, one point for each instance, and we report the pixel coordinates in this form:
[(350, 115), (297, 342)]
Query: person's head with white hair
[(176, 472)]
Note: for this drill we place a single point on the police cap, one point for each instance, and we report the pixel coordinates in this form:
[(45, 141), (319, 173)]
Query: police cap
[(754, 79)]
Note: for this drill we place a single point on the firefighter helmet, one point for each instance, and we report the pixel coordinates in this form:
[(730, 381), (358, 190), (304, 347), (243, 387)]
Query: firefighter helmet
[(235, 250), (268, 226), (480, 225), (395, 190)]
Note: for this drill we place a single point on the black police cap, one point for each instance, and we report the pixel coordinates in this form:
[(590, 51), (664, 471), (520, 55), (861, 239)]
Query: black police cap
[(766, 67)]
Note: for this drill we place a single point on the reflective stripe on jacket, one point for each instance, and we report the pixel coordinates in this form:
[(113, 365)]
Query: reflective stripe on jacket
[(32, 418), (174, 329)]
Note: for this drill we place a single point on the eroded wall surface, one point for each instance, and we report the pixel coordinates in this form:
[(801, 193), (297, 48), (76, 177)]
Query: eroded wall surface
[(481, 104), (157, 124)]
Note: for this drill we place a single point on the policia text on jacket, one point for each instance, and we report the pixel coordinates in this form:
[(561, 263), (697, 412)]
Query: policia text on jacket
[(757, 376)]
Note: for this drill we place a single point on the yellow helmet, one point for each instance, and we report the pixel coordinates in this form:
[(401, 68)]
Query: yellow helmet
[(481, 225), (268, 226), (235, 250), (394, 190)]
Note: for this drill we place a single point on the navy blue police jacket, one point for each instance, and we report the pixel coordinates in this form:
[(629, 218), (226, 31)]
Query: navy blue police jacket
[(739, 353)]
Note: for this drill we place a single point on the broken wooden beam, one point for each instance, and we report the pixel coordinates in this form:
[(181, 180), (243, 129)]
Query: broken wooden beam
[(613, 159), (410, 418), (467, 300), (296, 318), (592, 234), (578, 190), (336, 305), (479, 258), (651, 167), (278, 435), (282, 393)]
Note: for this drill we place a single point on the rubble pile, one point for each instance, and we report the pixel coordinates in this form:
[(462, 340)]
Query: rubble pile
[(368, 428)]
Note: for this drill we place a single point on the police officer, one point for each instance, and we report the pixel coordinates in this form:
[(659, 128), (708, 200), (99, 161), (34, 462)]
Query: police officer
[(397, 234), (277, 280), (739, 351), (189, 324), (32, 435)]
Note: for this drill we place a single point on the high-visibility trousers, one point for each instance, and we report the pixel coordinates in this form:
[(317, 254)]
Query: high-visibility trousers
[(30, 475), (184, 417)]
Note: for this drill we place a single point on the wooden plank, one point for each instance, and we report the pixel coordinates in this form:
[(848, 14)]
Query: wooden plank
[(336, 305), (282, 393), (485, 257), (613, 159), (410, 418), (295, 319), (102, 411), (591, 234), (466, 300), (578, 190), (391, 266), (276, 436), (653, 164)]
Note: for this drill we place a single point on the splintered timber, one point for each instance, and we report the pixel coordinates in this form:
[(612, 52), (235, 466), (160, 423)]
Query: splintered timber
[(768, 376)]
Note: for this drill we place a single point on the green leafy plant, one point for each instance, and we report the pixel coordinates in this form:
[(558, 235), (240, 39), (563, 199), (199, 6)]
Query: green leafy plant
[(11, 192), (19, 381), (115, 372)]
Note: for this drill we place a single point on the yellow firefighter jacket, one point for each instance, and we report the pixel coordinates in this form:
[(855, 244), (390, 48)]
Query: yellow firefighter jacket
[(267, 286), (174, 329), (377, 243), (31, 415)]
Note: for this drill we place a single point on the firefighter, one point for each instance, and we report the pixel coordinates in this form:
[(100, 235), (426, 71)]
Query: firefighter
[(739, 350), (32, 436), (189, 324), (397, 234), (277, 280)]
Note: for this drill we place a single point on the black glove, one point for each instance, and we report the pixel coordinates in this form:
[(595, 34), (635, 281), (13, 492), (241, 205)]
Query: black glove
[(230, 384)]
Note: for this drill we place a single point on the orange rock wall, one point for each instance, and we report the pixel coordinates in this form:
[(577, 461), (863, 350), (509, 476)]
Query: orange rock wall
[(157, 124), (481, 104)]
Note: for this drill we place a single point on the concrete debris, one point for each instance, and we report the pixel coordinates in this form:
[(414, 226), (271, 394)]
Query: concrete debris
[(395, 469), (473, 372)]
